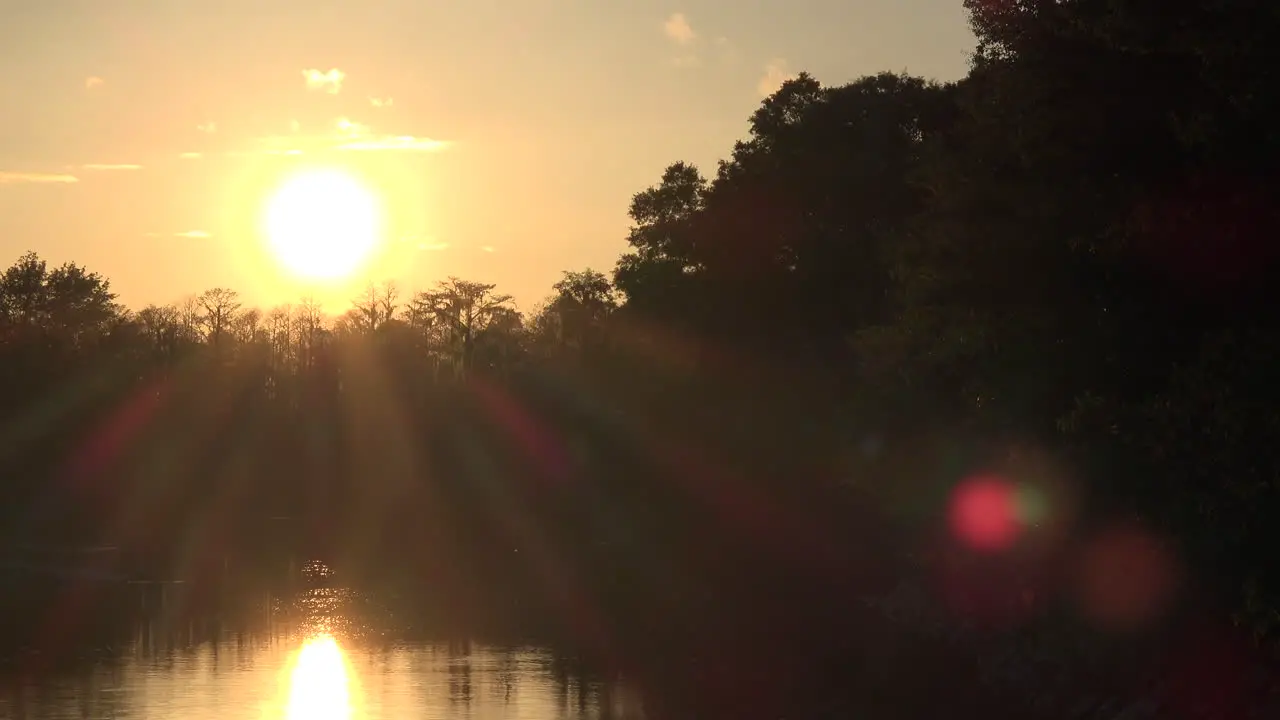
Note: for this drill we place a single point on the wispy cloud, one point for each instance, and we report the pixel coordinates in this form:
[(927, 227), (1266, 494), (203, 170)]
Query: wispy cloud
[(678, 30), (433, 246), (407, 143), (775, 73), (97, 167), (690, 47), (327, 81), (191, 155), (93, 81), (19, 178), (488, 248), (351, 136), (350, 128), (208, 127), (382, 102)]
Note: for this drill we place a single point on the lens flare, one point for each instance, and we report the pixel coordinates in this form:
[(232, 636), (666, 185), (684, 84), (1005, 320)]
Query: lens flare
[(1031, 505), (1127, 578), (989, 513), (984, 514)]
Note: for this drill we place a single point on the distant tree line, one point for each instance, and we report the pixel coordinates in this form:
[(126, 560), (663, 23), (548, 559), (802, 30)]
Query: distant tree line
[(1072, 248)]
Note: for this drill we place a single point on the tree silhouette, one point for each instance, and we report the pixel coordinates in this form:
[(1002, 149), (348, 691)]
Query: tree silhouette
[(753, 423)]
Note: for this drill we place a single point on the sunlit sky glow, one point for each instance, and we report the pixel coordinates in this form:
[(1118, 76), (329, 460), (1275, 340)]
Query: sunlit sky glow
[(505, 137)]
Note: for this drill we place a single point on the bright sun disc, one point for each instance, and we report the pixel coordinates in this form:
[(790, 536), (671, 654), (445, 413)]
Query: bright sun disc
[(322, 225)]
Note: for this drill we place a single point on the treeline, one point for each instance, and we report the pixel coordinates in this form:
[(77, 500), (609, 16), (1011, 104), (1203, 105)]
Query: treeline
[(886, 285)]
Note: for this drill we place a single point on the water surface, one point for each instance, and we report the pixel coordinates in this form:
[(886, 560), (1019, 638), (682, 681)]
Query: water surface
[(316, 671)]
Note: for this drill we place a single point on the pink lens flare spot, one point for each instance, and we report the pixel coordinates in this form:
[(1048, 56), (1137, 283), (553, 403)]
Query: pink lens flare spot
[(984, 514)]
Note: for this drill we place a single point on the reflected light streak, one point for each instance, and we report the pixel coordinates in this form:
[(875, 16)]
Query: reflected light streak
[(319, 686)]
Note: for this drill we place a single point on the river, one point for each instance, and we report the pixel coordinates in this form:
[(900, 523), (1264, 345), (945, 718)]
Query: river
[(310, 666)]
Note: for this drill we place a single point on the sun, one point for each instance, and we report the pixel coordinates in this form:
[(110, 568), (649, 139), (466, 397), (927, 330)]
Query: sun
[(322, 224)]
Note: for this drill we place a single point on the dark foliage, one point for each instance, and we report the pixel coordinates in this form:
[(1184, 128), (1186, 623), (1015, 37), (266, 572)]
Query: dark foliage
[(753, 424)]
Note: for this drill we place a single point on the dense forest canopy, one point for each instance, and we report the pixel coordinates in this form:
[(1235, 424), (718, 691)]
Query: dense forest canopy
[(1073, 248)]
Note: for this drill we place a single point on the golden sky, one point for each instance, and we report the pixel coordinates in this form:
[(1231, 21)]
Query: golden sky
[(503, 138)]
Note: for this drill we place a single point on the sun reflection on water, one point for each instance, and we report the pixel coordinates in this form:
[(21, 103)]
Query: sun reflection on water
[(319, 685)]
